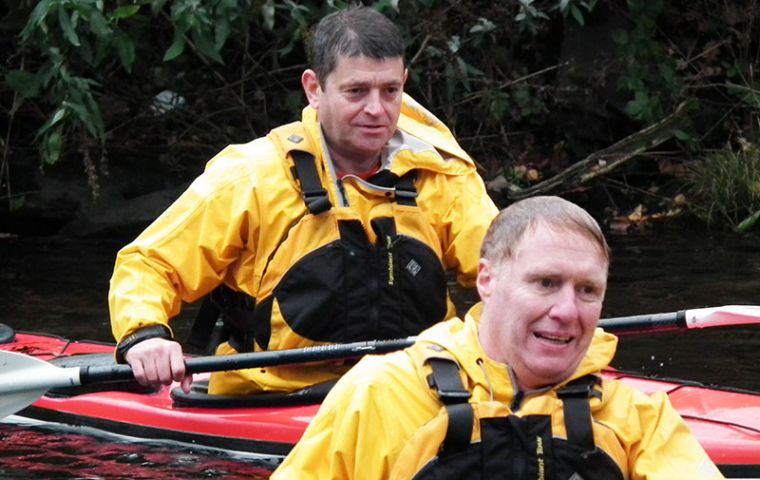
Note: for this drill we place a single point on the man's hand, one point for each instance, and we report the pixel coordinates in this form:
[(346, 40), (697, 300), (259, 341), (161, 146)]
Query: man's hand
[(158, 361)]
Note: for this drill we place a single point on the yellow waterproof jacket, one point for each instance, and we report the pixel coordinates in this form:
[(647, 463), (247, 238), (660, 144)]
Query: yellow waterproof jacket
[(244, 223), (383, 421)]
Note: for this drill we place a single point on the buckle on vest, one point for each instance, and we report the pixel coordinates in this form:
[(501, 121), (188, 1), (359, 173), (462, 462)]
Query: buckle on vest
[(449, 397), (310, 195), (446, 381), (316, 200)]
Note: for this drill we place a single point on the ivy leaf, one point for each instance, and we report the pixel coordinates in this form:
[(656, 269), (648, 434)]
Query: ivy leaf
[(126, 49), (53, 120), (99, 24), (52, 147), (176, 48), (577, 15), (125, 11), (65, 22), (37, 18)]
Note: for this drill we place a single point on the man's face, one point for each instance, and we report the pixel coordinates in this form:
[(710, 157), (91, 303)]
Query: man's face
[(358, 105), (541, 305)]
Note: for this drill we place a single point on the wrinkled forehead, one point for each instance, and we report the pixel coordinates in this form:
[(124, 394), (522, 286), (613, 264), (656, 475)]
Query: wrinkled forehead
[(566, 231)]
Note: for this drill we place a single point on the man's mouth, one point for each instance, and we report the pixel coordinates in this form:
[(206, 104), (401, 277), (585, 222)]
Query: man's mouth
[(372, 127), (553, 338)]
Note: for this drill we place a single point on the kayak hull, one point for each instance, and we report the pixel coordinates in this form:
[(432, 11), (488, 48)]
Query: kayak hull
[(727, 423)]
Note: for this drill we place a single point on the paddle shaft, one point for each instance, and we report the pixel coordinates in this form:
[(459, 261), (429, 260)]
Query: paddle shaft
[(221, 363), (17, 378), (656, 322)]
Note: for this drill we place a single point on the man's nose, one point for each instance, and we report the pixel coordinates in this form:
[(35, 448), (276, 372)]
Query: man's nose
[(374, 104), (565, 306)]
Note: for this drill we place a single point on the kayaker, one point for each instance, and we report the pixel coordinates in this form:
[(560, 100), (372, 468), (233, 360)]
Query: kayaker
[(333, 229), (513, 391)]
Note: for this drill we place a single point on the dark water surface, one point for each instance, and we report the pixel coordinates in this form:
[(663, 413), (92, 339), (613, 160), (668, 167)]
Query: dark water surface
[(59, 286)]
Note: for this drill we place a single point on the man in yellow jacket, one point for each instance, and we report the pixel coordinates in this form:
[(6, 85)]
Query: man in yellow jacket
[(515, 391), (333, 229)]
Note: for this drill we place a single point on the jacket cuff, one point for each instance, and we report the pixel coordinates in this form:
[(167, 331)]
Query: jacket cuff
[(145, 333)]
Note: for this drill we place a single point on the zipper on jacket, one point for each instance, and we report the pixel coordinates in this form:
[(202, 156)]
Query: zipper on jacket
[(517, 401), (342, 193)]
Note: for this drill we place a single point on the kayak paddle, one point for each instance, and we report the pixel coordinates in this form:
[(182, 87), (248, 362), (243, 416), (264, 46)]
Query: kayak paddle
[(23, 379), (684, 319)]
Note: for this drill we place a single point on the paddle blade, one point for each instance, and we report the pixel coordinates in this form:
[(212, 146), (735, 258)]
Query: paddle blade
[(11, 403), (23, 379), (723, 316)]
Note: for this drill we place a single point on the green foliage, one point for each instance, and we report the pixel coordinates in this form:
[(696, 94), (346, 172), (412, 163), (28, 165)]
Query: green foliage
[(67, 50), (59, 31), (82, 78), (649, 72), (577, 9), (530, 18), (726, 187)]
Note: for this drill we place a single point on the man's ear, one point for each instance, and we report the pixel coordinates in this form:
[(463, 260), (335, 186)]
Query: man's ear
[(485, 280), (311, 88)]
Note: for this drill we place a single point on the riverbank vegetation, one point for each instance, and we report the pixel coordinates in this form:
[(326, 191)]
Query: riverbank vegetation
[(641, 110)]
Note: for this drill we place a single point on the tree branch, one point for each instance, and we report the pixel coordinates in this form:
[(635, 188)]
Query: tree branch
[(603, 162)]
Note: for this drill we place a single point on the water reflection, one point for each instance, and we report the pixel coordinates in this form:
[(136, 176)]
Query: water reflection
[(30, 452), (679, 269), (60, 287)]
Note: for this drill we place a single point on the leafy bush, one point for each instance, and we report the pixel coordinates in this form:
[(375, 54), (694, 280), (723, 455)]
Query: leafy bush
[(87, 81), (726, 187)]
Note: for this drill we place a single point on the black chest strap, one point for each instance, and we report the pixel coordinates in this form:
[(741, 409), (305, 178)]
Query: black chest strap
[(314, 194), (575, 397), (445, 379)]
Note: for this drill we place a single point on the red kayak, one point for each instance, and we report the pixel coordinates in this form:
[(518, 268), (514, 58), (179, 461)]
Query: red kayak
[(727, 423)]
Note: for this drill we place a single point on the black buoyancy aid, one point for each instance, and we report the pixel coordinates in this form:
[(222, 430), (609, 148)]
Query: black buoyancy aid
[(514, 447), (349, 289)]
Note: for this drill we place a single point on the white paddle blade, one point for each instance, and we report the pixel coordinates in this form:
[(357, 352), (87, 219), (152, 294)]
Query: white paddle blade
[(23, 379), (11, 403), (723, 316)]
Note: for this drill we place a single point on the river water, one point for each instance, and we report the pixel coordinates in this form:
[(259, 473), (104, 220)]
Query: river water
[(59, 286)]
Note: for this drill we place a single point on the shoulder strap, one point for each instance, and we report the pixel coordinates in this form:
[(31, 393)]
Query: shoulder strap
[(575, 398), (446, 381), (314, 195)]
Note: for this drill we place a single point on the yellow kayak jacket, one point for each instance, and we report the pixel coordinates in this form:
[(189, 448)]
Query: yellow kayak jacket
[(319, 259), (389, 416)]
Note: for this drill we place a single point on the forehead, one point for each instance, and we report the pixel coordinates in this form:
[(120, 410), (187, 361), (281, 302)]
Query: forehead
[(361, 70), (545, 243)]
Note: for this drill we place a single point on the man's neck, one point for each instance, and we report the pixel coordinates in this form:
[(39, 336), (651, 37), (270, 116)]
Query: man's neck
[(352, 167)]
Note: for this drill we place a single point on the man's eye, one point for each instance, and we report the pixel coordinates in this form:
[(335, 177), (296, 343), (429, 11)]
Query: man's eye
[(590, 292), (547, 282)]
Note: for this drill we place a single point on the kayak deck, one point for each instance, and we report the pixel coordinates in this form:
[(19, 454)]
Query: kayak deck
[(727, 423)]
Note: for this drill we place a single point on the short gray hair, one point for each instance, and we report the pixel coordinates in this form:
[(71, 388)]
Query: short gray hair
[(509, 226)]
